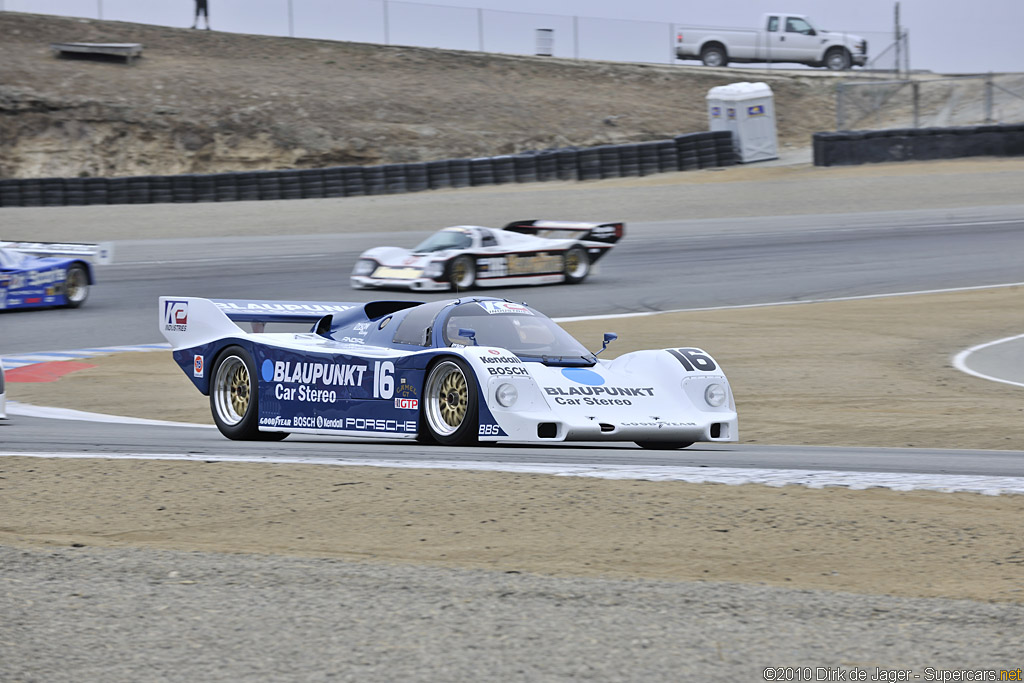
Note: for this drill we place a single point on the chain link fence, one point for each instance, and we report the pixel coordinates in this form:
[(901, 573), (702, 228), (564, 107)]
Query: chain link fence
[(398, 22), (926, 101)]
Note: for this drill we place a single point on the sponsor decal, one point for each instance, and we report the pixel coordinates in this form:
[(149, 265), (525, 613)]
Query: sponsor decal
[(537, 263), (360, 424), (597, 396), (731, 112), (362, 328), (755, 110), (489, 360), (505, 370), (275, 421), (279, 307), (602, 232), (493, 307), (659, 425), (387, 272), (491, 430), (175, 316), (406, 390), (407, 403), (353, 340), (299, 372), (197, 366), (716, 112), (583, 376)]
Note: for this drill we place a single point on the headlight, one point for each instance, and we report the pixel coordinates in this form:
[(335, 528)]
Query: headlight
[(434, 269), (715, 395), (506, 395), (364, 266)]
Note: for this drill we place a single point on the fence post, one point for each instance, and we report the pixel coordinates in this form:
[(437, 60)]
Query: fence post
[(988, 98), (480, 27), (916, 87), (840, 91), (291, 20), (575, 37), (387, 27)]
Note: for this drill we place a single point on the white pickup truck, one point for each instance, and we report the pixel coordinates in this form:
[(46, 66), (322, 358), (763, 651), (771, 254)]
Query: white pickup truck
[(783, 38)]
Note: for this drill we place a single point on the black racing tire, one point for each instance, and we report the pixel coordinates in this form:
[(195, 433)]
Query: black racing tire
[(838, 59), (234, 397), (714, 55), (664, 445), (462, 272), (76, 286), (450, 415), (577, 265)]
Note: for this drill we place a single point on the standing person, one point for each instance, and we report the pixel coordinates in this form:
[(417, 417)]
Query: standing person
[(203, 8)]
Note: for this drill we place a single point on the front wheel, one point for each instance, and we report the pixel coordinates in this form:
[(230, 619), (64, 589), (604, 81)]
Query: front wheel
[(664, 445), (463, 273), (577, 265), (234, 397), (838, 59), (450, 403), (76, 286)]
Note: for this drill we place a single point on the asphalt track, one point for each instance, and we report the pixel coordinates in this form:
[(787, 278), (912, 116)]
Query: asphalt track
[(660, 265)]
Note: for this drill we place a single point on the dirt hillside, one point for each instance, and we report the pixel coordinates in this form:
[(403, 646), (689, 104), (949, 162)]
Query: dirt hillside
[(205, 101)]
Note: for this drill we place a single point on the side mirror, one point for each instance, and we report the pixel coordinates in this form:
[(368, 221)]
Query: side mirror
[(609, 337), (468, 333)]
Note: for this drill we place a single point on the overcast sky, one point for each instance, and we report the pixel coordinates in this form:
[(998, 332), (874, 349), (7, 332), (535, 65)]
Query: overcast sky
[(947, 36)]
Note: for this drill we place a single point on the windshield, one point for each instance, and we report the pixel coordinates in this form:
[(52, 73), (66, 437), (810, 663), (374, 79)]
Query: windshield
[(445, 239), (517, 328)]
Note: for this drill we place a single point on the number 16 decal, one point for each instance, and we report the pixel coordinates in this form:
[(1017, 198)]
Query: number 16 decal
[(383, 379), (694, 359)]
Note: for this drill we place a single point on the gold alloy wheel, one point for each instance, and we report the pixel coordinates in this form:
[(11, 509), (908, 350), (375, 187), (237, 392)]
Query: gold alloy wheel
[(232, 390), (447, 393)]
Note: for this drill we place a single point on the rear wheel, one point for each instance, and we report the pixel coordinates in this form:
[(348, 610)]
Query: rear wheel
[(838, 59), (450, 403), (577, 265), (234, 397), (664, 445), (76, 286), (714, 55), (463, 273)]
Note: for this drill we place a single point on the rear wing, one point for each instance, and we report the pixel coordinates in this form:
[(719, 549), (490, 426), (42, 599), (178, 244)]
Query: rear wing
[(191, 321), (101, 254), (609, 233)]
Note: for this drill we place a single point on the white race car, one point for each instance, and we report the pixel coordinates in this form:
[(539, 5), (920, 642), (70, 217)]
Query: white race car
[(466, 256), (452, 372)]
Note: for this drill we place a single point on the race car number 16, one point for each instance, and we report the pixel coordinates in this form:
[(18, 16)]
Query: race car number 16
[(383, 379)]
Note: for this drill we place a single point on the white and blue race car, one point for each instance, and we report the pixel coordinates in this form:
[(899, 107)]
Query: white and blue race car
[(452, 372), (462, 257), (47, 274)]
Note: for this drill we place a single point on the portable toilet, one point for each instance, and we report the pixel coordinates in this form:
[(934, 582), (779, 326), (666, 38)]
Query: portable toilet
[(748, 111)]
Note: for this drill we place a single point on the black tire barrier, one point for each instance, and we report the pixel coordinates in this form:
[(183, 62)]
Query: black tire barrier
[(481, 171), (904, 144), (684, 152), (504, 169), (458, 171)]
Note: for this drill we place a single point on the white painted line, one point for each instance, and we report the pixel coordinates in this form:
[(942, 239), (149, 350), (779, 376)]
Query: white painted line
[(639, 314), (28, 410), (991, 486), (960, 360)]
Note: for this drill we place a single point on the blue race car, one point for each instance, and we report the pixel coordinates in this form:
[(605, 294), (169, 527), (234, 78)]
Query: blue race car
[(46, 274), (452, 372)]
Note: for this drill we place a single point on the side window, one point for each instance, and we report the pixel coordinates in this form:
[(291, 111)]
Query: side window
[(797, 25), (773, 24), (487, 239), (415, 327)]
